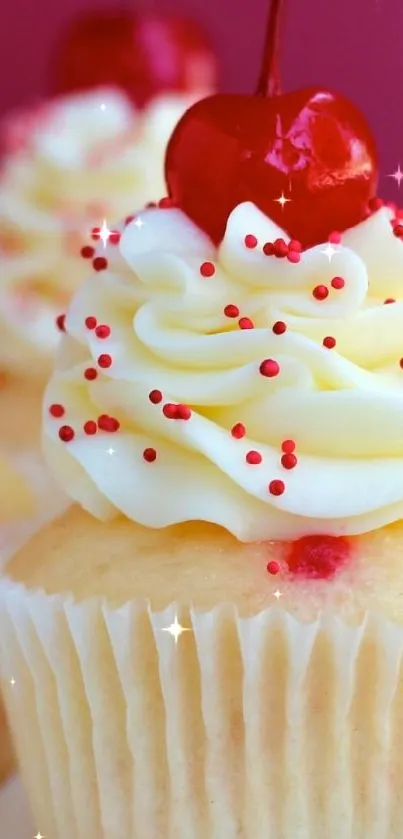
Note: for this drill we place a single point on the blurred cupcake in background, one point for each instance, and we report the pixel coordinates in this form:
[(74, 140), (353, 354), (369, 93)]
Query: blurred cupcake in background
[(87, 156)]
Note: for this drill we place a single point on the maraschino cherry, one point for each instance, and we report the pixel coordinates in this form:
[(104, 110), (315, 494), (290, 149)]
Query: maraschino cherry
[(144, 54), (312, 147)]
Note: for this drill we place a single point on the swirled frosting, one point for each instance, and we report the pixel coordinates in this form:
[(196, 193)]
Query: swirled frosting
[(180, 394), (68, 164)]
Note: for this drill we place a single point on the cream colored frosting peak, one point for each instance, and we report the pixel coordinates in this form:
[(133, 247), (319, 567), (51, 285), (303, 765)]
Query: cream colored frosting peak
[(169, 332)]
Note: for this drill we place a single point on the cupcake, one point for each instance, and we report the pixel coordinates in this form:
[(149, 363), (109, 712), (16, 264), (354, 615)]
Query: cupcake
[(234, 457), (72, 167)]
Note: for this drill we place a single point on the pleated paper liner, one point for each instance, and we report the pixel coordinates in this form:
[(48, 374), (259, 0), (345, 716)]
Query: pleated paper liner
[(243, 728)]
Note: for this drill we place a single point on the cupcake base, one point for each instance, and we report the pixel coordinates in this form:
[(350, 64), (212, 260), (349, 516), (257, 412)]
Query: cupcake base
[(255, 721), (20, 413)]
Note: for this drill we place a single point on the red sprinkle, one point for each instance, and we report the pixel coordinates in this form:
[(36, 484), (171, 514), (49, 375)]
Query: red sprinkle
[(335, 238), (318, 557), (61, 323), (155, 396), (129, 219), (276, 487), (288, 446), (238, 430), (273, 567), (66, 433), (398, 231), (87, 252), (279, 327), (268, 249), (107, 423), (320, 292), (103, 331), (90, 427), (280, 248), (288, 461), (231, 311), (166, 203), (183, 412), (90, 322), (401, 363), (90, 373), (250, 241), (246, 323), (389, 300), (294, 257), (207, 269), (253, 458), (104, 360), (99, 263), (95, 233), (114, 237), (149, 455), (269, 368), (56, 410), (337, 282), (295, 245), (169, 410), (329, 342)]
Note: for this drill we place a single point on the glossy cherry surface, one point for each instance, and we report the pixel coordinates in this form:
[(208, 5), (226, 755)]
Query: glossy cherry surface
[(145, 54), (312, 146)]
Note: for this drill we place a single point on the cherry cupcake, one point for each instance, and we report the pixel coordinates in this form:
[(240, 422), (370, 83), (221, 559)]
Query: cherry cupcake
[(209, 641)]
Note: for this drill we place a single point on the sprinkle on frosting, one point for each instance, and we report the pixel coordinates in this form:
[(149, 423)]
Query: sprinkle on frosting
[(155, 396), (100, 263), (87, 252), (90, 427), (253, 458), (246, 323), (66, 433), (329, 342), (289, 461), (90, 373), (104, 360), (269, 368), (231, 311), (279, 327), (103, 331), (207, 269), (90, 322), (288, 446), (320, 292), (276, 487), (337, 283), (238, 430), (250, 241), (273, 567), (61, 323), (150, 455), (56, 410)]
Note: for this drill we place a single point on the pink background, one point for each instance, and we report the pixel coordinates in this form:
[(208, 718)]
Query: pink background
[(354, 46)]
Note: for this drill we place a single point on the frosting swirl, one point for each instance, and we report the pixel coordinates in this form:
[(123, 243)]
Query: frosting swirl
[(211, 360), (61, 160)]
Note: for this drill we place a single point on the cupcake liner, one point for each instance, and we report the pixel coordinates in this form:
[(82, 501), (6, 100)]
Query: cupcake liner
[(242, 728)]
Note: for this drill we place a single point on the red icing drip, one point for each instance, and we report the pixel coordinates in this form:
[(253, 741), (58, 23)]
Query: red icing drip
[(318, 557)]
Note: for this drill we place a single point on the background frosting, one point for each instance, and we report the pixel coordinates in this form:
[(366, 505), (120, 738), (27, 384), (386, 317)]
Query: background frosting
[(62, 160), (164, 297)]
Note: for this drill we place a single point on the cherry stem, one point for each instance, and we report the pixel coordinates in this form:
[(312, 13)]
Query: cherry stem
[(269, 80)]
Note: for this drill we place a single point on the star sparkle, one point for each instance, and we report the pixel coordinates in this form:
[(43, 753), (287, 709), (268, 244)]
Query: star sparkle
[(397, 175), (175, 629), (282, 200), (39, 836), (139, 223), (277, 594), (103, 106), (104, 233), (329, 251), (12, 682)]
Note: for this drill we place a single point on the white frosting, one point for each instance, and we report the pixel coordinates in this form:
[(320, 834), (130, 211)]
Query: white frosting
[(343, 407), (70, 163)]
